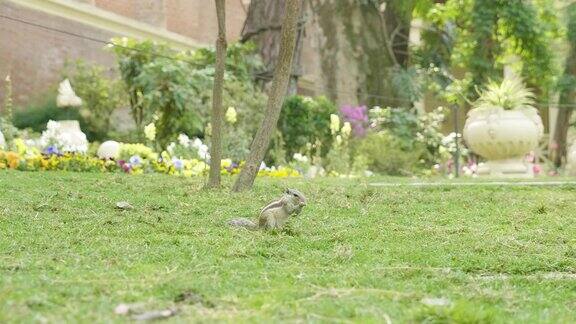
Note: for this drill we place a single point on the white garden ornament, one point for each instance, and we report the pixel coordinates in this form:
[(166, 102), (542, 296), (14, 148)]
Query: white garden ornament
[(66, 96), (503, 127), (109, 150)]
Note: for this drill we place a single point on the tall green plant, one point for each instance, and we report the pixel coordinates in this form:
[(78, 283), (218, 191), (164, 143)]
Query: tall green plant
[(100, 94), (304, 120), (132, 57), (481, 35), (176, 87), (508, 95)]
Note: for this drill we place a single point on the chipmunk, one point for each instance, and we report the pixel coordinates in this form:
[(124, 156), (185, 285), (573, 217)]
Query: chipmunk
[(276, 213)]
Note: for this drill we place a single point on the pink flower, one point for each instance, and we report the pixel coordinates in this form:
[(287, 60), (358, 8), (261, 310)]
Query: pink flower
[(536, 168), (530, 157), (357, 117)]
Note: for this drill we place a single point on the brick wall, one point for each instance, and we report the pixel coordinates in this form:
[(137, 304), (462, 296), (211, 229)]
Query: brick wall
[(199, 21), (35, 57)]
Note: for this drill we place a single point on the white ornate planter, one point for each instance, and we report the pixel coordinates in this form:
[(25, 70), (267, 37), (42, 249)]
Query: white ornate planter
[(571, 160), (503, 138)]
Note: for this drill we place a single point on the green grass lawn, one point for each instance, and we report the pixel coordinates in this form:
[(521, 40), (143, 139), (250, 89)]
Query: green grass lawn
[(356, 253)]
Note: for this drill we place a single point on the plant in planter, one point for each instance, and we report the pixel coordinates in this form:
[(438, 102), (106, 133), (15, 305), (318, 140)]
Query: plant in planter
[(503, 126)]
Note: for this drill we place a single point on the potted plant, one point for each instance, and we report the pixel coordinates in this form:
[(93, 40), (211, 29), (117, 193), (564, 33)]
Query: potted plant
[(503, 126)]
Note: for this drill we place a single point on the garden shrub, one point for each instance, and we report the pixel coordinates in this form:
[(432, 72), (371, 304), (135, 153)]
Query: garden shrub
[(412, 130), (304, 120), (385, 153), (100, 95), (37, 115), (174, 89)]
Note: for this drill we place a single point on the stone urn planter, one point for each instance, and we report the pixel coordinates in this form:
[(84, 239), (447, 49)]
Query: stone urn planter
[(503, 138), (504, 134)]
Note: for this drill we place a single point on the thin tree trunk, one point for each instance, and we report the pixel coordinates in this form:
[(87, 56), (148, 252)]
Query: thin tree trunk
[(216, 146), (276, 97), (560, 135)]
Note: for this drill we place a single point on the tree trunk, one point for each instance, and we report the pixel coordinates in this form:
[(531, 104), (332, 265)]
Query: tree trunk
[(346, 49), (217, 91), (560, 135), (567, 94), (276, 97), (263, 27), (352, 47)]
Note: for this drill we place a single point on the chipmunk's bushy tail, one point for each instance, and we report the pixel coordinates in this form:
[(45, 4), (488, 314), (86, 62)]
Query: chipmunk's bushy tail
[(243, 222)]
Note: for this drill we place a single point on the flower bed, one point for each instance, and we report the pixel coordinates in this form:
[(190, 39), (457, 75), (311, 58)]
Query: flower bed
[(36, 161)]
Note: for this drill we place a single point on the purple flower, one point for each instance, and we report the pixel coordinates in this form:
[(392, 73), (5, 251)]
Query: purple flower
[(135, 160), (126, 167), (178, 164), (50, 150), (357, 117), (232, 166)]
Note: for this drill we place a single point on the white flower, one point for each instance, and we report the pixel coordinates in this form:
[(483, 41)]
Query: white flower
[(184, 140), (334, 123), (66, 96), (339, 139), (203, 152), (263, 166), (170, 148), (231, 115), (300, 158), (196, 143), (346, 130), (150, 131), (66, 139), (307, 100), (201, 148)]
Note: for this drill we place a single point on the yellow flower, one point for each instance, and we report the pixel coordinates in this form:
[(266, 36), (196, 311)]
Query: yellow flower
[(226, 163), (199, 168), (20, 145), (13, 159), (334, 123), (150, 131), (346, 130), (338, 139), (231, 115)]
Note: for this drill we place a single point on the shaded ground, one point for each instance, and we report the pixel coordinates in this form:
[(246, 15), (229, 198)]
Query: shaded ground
[(357, 253)]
